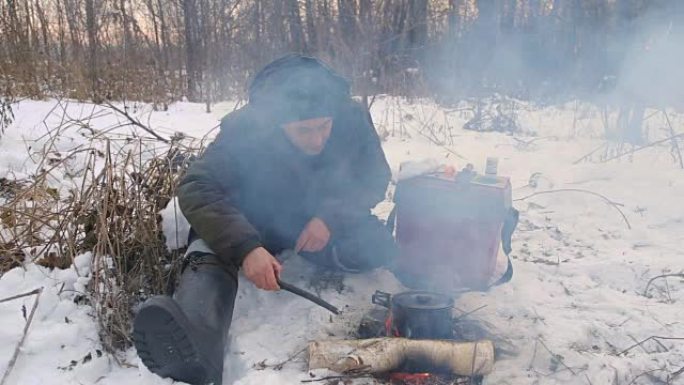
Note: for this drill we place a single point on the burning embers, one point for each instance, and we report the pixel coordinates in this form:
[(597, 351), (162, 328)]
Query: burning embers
[(430, 379), (418, 315)]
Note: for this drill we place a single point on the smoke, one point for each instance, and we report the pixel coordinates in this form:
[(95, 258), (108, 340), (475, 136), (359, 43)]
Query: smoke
[(651, 72), (599, 51)]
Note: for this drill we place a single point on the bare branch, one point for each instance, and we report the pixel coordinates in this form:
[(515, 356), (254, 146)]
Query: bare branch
[(644, 147), (675, 142), (556, 357), (680, 275), (32, 292), (13, 360), (646, 340), (136, 122), (610, 202)]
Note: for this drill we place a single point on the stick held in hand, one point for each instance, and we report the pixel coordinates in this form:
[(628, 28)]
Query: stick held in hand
[(310, 296)]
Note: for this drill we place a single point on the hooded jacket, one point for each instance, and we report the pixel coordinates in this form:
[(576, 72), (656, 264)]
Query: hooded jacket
[(252, 187)]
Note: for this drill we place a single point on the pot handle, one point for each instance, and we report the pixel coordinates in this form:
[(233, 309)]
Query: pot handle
[(381, 298)]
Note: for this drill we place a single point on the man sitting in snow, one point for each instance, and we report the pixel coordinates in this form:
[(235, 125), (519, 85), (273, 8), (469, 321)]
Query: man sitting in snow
[(299, 167)]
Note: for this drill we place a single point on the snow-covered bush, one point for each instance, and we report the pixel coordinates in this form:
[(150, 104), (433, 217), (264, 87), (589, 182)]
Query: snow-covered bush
[(102, 195)]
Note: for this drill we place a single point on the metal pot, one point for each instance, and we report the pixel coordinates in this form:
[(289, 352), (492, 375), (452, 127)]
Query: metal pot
[(417, 314)]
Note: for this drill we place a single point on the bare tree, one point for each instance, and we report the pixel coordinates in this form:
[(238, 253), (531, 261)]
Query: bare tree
[(163, 50)]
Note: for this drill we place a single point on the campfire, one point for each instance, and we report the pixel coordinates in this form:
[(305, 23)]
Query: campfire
[(459, 234), (408, 340)]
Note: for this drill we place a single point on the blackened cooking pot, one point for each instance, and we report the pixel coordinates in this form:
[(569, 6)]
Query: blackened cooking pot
[(417, 314)]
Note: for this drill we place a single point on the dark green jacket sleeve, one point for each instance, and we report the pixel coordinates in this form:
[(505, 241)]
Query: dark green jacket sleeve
[(206, 196), (368, 173)]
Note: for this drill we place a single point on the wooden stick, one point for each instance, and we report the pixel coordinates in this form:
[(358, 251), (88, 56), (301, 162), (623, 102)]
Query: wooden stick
[(347, 377), (311, 297), (13, 361)]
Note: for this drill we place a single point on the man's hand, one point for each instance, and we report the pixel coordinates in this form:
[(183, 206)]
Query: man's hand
[(314, 237), (262, 269)]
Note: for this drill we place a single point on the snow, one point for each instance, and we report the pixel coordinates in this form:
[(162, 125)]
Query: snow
[(176, 228), (578, 285)]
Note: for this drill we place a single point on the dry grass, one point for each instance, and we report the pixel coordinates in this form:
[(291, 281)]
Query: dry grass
[(103, 196)]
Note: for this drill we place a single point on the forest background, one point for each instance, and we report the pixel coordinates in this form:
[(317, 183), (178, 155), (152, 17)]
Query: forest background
[(160, 51)]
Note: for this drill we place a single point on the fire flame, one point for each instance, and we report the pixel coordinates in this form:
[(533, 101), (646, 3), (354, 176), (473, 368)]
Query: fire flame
[(410, 378)]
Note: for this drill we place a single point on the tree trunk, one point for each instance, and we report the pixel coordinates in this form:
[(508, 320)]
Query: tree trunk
[(192, 49), (312, 44), (297, 42), (91, 28), (417, 28), (62, 44), (347, 21), (46, 41), (324, 31), (71, 12)]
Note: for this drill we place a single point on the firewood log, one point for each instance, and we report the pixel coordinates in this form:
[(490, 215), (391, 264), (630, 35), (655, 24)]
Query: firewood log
[(380, 355)]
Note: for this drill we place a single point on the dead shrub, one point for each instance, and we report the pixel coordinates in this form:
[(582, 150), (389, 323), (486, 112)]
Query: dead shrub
[(102, 196)]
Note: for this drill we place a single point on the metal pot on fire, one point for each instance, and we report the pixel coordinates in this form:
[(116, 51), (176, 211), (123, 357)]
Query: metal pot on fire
[(417, 314)]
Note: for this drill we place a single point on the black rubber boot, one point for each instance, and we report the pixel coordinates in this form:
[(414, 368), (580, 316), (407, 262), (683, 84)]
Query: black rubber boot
[(184, 337)]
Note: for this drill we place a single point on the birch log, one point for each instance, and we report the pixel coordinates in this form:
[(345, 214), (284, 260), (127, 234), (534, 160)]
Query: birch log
[(380, 355)]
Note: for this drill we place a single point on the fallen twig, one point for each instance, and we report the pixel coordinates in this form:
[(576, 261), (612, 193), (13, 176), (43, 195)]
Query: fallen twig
[(469, 313), (644, 374), (637, 342), (13, 360), (347, 377), (32, 292), (279, 366), (655, 338), (523, 144), (648, 285), (610, 202), (534, 354), (657, 142), (556, 357), (677, 373), (675, 144), (590, 153)]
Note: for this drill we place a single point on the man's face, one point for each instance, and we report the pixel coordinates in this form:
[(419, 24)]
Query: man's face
[(309, 135)]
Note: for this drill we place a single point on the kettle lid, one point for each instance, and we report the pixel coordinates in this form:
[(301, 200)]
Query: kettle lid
[(425, 300)]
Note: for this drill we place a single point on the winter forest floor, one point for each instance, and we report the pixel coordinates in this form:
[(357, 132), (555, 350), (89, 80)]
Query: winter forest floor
[(573, 314)]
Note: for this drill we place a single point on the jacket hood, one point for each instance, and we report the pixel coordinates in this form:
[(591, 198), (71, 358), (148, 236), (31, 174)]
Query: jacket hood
[(297, 87)]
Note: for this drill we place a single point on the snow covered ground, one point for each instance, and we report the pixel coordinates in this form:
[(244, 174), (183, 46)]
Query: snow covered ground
[(573, 311)]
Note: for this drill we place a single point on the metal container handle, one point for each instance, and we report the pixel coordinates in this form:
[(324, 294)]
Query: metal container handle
[(381, 298)]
